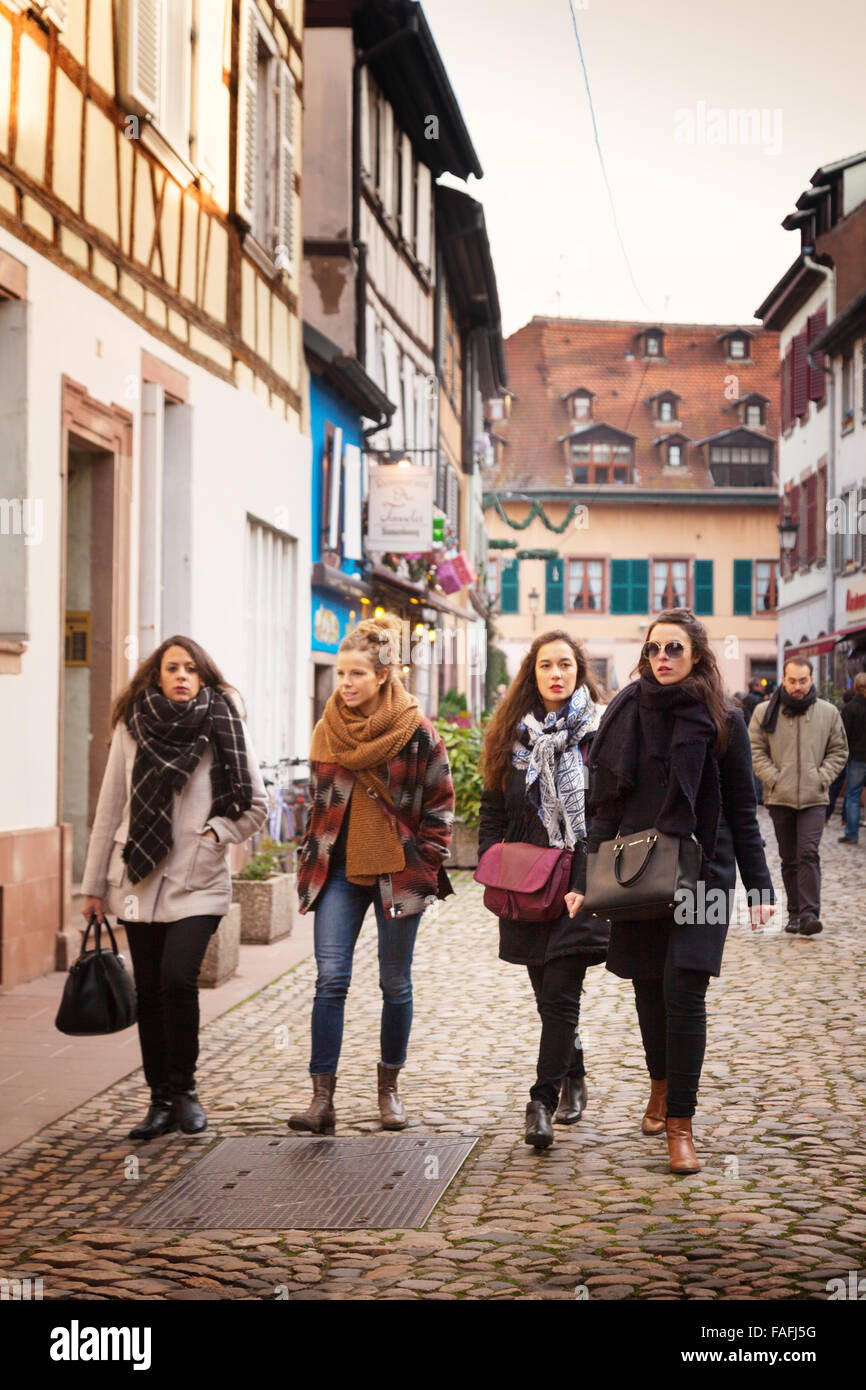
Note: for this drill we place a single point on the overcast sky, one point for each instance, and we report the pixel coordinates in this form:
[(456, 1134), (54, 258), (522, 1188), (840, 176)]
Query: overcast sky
[(700, 220)]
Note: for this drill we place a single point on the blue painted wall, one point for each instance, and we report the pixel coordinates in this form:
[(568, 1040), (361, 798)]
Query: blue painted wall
[(327, 405)]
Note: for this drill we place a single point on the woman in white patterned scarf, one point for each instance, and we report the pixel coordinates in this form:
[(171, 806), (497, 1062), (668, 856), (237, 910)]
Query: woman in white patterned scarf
[(535, 792)]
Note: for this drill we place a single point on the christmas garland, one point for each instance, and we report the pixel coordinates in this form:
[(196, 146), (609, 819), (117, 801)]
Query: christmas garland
[(535, 510)]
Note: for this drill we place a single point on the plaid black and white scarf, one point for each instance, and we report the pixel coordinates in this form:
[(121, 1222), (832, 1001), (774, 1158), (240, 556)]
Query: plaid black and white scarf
[(171, 737), (548, 750)]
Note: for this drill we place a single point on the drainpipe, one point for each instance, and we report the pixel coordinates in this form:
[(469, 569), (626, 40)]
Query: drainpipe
[(830, 276)]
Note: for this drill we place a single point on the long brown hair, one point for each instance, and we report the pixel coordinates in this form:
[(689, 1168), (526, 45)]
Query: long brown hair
[(148, 674), (518, 700), (705, 679)]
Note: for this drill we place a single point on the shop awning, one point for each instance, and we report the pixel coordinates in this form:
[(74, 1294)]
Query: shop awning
[(823, 644)]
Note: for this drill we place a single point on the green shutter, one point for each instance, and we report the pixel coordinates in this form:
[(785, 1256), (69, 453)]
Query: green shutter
[(639, 586), (509, 586), (743, 587), (619, 586), (553, 586), (704, 587)]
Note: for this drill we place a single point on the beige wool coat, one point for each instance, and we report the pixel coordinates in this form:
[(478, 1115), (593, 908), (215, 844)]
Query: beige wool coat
[(194, 879), (801, 757)]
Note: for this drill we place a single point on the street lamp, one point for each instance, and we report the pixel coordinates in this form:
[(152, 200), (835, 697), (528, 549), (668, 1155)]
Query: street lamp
[(788, 533), (534, 596)]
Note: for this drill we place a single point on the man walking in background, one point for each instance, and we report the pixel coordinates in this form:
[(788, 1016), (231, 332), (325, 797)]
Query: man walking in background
[(854, 721), (798, 748), (754, 696)]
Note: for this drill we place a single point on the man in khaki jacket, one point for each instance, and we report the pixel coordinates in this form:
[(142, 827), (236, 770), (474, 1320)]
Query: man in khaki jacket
[(798, 748)]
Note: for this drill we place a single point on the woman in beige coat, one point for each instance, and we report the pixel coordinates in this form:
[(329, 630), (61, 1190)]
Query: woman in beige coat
[(181, 784)]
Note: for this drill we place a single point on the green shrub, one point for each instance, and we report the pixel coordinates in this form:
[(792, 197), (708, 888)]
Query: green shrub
[(464, 755), (267, 861)]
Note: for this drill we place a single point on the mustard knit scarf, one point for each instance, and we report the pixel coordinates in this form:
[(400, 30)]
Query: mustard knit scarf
[(361, 742)]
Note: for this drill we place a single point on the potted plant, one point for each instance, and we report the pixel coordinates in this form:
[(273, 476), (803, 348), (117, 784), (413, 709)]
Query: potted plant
[(266, 895), (464, 755)]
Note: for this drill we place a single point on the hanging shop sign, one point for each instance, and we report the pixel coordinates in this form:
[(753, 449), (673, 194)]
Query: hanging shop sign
[(400, 517)]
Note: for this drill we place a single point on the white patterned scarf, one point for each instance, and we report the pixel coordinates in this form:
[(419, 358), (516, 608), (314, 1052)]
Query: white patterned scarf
[(557, 790)]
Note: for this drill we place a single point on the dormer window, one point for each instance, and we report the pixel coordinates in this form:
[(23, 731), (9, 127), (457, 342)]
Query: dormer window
[(579, 404), (653, 346), (675, 455), (666, 410), (753, 415), (737, 345), (665, 405), (651, 340), (752, 410)]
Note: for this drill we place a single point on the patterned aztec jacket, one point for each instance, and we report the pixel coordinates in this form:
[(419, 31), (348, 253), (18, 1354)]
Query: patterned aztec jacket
[(419, 781)]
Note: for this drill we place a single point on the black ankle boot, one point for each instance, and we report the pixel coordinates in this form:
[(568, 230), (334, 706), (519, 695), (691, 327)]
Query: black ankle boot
[(187, 1108), (572, 1100), (539, 1130), (160, 1118)]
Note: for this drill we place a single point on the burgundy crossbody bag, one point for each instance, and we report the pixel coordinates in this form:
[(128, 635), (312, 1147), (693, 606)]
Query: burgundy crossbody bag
[(524, 882)]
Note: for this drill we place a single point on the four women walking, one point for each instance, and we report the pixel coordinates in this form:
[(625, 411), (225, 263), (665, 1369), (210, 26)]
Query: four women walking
[(182, 783)]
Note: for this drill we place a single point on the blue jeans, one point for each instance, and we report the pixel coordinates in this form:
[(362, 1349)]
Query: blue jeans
[(339, 914), (854, 784)]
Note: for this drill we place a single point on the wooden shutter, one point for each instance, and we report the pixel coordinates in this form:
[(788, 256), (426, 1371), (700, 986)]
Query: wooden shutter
[(210, 127), (353, 547), (800, 384), (553, 586), (785, 389), (703, 587), (795, 516), (364, 118), (821, 515), (817, 383), (422, 231), (509, 586), (245, 181), (394, 390), (639, 586), (407, 229), (286, 190), (743, 588), (811, 517), (386, 159), (620, 572), (142, 45)]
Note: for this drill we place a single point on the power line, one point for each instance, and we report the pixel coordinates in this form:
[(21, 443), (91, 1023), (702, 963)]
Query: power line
[(601, 160)]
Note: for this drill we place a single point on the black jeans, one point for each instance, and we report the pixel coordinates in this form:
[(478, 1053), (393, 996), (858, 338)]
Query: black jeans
[(166, 959), (557, 985), (672, 1013), (798, 834)]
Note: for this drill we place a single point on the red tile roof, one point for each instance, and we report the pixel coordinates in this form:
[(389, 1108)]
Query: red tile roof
[(549, 357)]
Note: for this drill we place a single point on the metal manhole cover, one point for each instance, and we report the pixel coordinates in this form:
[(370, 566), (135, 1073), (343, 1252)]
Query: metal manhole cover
[(310, 1185)]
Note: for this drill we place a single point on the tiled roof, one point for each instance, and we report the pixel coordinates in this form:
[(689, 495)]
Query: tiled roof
[(549, 357)]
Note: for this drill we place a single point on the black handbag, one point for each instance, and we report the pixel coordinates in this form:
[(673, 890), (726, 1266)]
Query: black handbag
[(642, 874), (99, 994)]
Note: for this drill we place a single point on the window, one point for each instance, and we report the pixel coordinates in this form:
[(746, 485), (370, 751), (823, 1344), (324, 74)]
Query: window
[(666, 410), (585, 592), (703, 595), (738, 346), (743, 588), (491, 577), (156, 77), (601, 475), (817, 382), (509, 584), (741, 465), (451, 354), (847, 401), (811, 518), (265, 188), (653, 345), (629, 586), (271, 603), (675, 455), (670, 584), (754, 415), (600, 455), (598, 668), (849, 523), (620, 475), (581, 405), (766, 586), (580, 473)]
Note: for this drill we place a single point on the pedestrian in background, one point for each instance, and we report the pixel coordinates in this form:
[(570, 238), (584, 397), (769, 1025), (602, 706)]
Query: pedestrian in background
[(755, 695), (837, 786), (534, 792), (798, 748), (854, 723), (671, 754), (181, 784), (382, 804)]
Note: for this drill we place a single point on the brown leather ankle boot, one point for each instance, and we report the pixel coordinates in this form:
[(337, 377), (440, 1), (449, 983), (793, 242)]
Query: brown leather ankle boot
[(392, 1111), (653, 1121), (321, 1117), (680, 1146)]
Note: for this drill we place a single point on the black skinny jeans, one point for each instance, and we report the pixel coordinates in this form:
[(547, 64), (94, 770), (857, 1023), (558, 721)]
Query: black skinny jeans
[(166, 959), (672, 1013), (557, 985)]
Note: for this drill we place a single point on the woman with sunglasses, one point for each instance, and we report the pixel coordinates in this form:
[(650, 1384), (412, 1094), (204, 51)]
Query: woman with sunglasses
[(670, 753), (534, 793)]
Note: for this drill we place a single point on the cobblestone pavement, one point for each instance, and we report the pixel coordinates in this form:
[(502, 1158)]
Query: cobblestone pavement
[(778, 1209)]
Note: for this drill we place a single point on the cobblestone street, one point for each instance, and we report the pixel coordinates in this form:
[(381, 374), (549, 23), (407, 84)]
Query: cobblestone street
[(778, 1209)]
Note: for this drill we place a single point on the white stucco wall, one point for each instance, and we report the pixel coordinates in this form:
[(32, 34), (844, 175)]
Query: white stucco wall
[(245, 458)]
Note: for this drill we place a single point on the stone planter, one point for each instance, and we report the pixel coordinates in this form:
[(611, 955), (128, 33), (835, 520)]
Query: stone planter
[(464, 846), (268, 907), (221, 957)]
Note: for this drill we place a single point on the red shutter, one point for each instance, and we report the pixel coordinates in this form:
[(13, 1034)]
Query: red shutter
[(821, 544), (795, 516), (811, 517), (817, 378), (799, 388), (787, 419)]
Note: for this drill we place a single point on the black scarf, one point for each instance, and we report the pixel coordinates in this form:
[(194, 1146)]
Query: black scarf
[(679, 731), (794, 705), (171, 737)]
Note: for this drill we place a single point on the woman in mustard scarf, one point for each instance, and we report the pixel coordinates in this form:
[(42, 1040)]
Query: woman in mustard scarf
[(379, 830)]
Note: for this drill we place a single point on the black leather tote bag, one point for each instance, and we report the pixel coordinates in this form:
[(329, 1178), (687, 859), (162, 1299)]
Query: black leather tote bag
[(639, 875), (99, 994)]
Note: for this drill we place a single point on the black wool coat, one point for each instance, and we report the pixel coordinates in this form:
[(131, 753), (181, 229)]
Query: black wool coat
[(639, 948), (509, 816)]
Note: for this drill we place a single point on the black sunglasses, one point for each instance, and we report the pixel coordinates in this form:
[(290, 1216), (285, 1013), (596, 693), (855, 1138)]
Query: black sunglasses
[(671, 649)]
